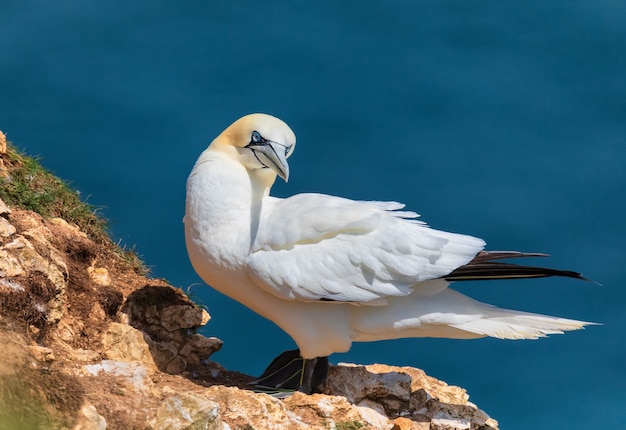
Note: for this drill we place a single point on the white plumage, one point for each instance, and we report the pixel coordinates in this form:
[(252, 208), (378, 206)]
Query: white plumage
[(330, 271)]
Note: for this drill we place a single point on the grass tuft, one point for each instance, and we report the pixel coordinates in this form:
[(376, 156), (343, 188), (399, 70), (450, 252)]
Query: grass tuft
[(26, 184)]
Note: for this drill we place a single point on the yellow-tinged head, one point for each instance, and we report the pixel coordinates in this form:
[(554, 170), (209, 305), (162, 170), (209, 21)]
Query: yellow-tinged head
[(260, 141)]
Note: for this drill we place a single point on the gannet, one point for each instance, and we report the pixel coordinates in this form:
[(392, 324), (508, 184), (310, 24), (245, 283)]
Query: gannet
[(331, 271)]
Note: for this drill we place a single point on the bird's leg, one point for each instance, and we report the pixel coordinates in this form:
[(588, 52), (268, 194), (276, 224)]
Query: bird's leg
[(313, 375), (283, 373), (306, 375), (289, 372)]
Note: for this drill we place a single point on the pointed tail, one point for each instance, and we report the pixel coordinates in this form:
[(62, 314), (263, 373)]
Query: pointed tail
[(510, 324)]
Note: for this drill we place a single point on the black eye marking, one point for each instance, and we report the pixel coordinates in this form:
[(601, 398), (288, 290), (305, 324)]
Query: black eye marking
[(259, 160)]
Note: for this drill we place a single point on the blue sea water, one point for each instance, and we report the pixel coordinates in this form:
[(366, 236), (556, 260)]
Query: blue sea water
[(504, 120)]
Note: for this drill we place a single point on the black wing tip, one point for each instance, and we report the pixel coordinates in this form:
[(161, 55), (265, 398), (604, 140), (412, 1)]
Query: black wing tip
[(498, 255), (582, 278), (483, 267)]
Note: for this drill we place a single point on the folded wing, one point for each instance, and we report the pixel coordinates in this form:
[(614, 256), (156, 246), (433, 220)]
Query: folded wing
[(314, 247)]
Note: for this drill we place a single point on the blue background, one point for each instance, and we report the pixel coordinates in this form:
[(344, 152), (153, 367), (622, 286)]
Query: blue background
[(502, 120)]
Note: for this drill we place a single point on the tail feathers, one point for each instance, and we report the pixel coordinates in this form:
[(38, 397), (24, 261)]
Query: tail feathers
[(482, 267), (520, 325)]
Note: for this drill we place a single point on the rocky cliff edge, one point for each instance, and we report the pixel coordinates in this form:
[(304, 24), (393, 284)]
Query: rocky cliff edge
[(90, 342)]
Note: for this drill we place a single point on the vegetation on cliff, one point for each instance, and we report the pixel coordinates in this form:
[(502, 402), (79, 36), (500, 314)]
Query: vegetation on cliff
[(26, 184)]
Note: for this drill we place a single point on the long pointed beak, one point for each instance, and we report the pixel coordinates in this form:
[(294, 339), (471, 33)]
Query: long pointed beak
[(272, 155)]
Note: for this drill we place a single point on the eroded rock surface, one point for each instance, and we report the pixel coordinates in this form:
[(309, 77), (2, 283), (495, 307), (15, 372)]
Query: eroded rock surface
[(166, 316)]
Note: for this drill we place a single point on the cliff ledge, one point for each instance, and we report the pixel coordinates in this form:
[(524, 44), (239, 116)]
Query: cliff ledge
[(91, 342)]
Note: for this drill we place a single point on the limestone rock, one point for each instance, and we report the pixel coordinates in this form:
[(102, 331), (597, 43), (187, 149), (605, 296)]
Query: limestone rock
[(42, 353), (408, 393), (4, 209), (99, 276), (132, 375), (200, 348), (27, 254), (323, 411), (6, 228), (402, 423), (90, 419), (67, 229), (82, 355), (125, 343), (392, 389), (169, 318), (68, 328), (182, 316), (187, 411), (373, 414), (243, 409), (450, 424), (167, 356), (10, 267)]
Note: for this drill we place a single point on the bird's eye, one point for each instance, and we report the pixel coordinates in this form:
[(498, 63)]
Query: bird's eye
[(256, 137)]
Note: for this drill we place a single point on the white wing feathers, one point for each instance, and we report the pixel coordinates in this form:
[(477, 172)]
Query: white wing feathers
[(313, 247)]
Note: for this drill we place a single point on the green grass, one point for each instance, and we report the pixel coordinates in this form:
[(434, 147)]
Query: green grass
[(26, 184), (30, 186)]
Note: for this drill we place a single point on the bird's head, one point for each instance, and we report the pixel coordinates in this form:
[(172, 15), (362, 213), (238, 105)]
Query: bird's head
[(259, 141)]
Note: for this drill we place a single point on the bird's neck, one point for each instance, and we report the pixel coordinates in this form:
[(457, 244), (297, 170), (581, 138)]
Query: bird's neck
[(261, 181), (224, 201)]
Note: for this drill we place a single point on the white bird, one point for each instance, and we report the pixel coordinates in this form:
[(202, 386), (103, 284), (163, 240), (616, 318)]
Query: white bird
[(331, 271)]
